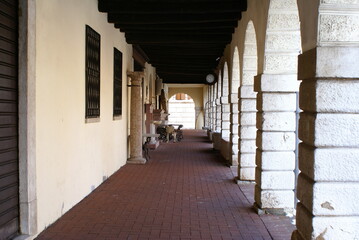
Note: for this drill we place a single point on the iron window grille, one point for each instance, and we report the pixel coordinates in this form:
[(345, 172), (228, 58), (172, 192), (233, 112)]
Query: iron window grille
[(117, 83), (93, 47)]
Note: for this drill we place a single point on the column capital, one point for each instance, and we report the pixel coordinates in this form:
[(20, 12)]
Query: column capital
[(276, 83), (135, 76)]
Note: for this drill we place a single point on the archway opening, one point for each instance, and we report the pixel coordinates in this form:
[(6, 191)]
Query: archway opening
[(181, 108)]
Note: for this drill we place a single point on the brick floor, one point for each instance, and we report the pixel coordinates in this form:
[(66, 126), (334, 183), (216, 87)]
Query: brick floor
[(184, 192)]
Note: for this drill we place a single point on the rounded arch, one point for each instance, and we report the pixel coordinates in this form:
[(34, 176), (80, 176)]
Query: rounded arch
[(283, 41), (235, 83), (182, 110), (225, 81), (250, 60)]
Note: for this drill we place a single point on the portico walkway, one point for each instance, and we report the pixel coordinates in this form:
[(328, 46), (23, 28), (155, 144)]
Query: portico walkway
[(183, 192)]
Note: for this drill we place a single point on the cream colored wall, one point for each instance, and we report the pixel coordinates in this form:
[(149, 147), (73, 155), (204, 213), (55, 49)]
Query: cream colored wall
[(74, 157)]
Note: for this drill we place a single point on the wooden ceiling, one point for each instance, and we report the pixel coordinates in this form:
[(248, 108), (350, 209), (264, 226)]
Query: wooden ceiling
[(183, 39)]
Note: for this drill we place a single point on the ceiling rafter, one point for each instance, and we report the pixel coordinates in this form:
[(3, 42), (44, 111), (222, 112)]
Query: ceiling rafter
[(183, 39)]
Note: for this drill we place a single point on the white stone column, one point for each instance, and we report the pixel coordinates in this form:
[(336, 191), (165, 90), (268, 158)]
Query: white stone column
[(136, 119), (225, 118), (247, 133), (234, 128), (328, 185), (276, 142)]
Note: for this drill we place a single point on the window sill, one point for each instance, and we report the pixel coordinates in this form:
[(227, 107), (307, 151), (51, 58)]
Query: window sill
[(92, 120)]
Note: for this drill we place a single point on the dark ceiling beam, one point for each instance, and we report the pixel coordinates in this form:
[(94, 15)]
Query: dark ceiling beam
[(172, 31), (146, 19), (149, 39), (165, 6), (182, 65), (179, 26)]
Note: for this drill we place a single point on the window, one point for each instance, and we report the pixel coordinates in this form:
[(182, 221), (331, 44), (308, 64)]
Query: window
[(93, 40), (117, 83)]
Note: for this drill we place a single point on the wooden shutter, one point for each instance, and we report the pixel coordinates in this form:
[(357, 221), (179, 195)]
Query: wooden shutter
[(9, 165)]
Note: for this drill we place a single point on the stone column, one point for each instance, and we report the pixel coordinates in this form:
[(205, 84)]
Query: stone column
[(225, 118), (328, 185), (136, 119), (276, 142), (234, 129), (247, 133)]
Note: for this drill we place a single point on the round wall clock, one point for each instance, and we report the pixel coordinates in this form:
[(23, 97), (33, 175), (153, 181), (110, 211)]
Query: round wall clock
[(210, 78)]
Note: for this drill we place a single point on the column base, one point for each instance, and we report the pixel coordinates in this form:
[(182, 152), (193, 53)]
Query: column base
[(239, 181), (136, 160), (274, 211), (296, 236)]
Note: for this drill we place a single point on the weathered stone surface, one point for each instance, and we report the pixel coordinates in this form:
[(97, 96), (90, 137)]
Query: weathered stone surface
[(339, 28), (247, 160), (247, 91), (282, 21), (246, 174), (275, 63), (275, 160), (276, 141), (330, 227), (318, 63), (330, 96), (275, 180), (329, 130), (277, 102), (248, 105), (276, 83), (247, 132), (328, 198), (247, 146), (329, 164), (274, 199), (248, 118), (276, 121)]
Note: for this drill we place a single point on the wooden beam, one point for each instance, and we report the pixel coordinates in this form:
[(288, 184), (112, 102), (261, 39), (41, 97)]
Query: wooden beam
[(165, 6), (228, 30), (146, 19), (149, 39), (179, 26)]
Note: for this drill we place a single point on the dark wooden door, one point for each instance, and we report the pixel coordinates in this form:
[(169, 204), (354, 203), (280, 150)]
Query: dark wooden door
[(9, 164)]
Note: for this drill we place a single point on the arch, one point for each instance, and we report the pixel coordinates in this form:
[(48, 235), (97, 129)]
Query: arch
[(247, 96), (249, 56), (283, 41), (225, 81), (182, 110), (196, 94), (235, 83)]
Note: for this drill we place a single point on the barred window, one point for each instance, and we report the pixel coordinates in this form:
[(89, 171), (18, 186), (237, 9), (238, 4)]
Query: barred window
[(117, 83), (93, 41)]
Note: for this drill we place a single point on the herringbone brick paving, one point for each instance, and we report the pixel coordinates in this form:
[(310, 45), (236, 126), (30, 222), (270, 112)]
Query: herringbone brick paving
[(183, 192)]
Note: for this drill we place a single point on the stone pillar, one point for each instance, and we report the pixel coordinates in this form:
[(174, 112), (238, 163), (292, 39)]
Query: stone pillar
[(225, 118), (328, 185), (234, 129), (136, 119), (247, 133), (218, 115), (276, 142)]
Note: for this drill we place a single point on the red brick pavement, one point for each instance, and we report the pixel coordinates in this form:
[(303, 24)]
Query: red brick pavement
[(183, 192)]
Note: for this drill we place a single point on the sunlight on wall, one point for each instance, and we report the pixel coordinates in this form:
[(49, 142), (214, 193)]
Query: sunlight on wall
[(182, 111)]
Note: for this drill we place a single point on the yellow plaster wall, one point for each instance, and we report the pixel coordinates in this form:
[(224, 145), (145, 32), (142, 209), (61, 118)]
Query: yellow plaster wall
[(74, 157)]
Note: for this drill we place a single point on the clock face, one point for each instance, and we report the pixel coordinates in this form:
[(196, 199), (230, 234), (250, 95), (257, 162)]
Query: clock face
[(210, 78)]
